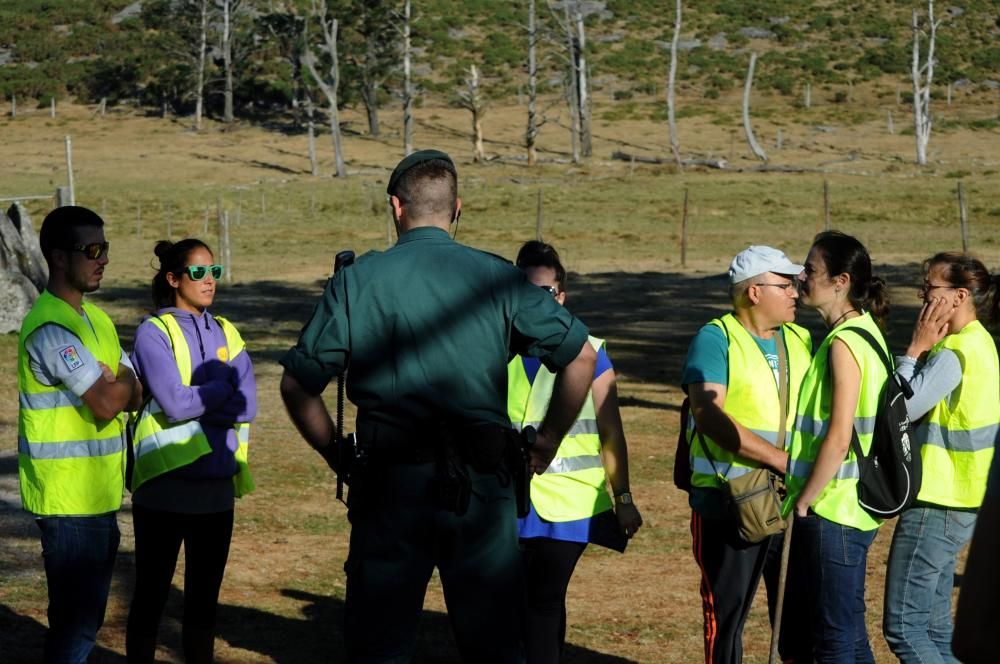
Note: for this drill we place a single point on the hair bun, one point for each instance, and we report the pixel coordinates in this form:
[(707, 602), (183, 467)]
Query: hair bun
[(162, 248)]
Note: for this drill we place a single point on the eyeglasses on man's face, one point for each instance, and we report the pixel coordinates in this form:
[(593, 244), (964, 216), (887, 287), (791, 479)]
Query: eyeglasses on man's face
[(92, 250), (551, 290), (789, 286)]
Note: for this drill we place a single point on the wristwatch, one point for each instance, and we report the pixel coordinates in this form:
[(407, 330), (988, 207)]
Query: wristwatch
[(624, 498)]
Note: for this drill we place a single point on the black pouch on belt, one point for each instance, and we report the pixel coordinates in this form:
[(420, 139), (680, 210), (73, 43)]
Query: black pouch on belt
[(452, 486)]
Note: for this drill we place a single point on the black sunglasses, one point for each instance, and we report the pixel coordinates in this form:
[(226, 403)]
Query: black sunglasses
[(93, 250), (551, 290)]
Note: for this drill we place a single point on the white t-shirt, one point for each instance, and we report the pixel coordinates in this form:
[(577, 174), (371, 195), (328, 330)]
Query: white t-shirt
[(56, 355)]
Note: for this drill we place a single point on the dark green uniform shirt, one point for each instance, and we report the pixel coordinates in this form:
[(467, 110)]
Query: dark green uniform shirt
[(426, 329)]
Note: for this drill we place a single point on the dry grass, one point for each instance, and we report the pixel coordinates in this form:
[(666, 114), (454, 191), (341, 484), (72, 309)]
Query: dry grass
[(618, 230)]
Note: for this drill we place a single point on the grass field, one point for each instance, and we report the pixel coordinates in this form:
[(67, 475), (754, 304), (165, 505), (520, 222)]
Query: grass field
[(618, 228)]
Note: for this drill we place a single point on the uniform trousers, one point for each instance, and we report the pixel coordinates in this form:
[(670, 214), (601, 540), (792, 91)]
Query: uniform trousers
[(730, 573), (400, 533)]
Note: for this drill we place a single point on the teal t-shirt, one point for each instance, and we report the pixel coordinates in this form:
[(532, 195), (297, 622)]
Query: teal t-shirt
[(708, 356)]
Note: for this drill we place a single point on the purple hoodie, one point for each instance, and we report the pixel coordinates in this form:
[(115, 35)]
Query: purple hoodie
[(221, 393)]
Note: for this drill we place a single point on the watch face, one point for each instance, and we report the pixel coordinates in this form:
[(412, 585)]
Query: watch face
[(624, 499)]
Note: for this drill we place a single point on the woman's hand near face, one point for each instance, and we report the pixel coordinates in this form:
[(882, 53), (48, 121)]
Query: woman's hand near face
[(932, 326)]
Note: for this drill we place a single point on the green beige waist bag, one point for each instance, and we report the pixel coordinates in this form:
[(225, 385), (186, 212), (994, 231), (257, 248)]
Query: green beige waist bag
[(754, 502)]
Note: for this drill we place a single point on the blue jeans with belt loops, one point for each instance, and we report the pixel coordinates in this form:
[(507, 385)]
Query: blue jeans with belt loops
[(918, 584), (829, 583), (79, 555)]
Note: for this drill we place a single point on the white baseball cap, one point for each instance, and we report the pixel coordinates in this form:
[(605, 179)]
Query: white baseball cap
[(758, 259)]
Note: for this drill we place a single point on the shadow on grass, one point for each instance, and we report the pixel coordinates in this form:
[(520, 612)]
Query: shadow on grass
[(647, 318)]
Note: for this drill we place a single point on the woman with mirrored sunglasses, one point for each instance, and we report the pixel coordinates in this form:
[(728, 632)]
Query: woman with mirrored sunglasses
[(570, 504), (952, 366), (188, 448)]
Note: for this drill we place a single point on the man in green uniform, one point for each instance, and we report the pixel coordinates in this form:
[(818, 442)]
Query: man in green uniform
[(426, 330)]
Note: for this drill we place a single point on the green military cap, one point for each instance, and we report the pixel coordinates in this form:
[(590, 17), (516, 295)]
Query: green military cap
[(412, 160)]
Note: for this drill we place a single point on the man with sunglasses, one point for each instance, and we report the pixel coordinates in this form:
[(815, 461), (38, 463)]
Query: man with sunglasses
[(74, 383), (733, 376), (424, 331)]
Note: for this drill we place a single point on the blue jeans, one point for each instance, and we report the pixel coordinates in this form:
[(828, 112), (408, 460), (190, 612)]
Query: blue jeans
[(825, 601), (79, 555), (919, 580)]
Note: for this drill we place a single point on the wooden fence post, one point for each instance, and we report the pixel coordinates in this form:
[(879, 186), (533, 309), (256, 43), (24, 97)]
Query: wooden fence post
[(684, 230), (224, 249), (826, 205), (538, 217), (69, 170), (963, 217)]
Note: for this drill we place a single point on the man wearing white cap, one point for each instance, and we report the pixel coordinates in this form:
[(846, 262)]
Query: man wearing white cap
[(732, 374)]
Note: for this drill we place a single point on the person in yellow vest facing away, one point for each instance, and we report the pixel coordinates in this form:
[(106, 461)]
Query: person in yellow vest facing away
[(570, 505), (734, 373), (74, 383), (189, 448), (952, 365), (840, 394)]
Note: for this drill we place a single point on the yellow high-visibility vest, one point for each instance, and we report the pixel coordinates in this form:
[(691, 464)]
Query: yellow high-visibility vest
[(160, 445), (752, 399), (838, 501), (574, 485), (958, 435), (70, 463)]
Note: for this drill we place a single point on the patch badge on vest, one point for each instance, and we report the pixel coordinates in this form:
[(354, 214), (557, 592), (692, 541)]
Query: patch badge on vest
[(222, 353), (71, 357)]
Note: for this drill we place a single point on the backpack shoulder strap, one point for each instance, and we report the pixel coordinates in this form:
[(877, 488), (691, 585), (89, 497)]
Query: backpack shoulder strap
[(867, 336)]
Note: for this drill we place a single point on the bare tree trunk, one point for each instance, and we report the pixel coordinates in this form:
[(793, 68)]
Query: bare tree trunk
[(532, 134), (807, 102), (369, 84), (754, 146), (199, 93), (329, 84), (472, 100), (227, 59), (922, 76), (671, 76), (407, 83), (582, 73), (311, 124)]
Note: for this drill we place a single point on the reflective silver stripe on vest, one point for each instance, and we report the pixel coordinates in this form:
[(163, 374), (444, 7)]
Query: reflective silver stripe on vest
[(973, 440), (177, 433), (579, 427), (243, 434), (46, 400), (74, 449), (703, 466), (570, 464), (818, 428), (847, 471)]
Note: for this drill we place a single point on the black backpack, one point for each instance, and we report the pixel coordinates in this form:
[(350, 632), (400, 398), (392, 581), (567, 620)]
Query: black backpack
[(890, 474)]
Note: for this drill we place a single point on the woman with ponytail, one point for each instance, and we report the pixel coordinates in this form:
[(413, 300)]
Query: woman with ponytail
[(840, 391), (189, 448), (952, 366)]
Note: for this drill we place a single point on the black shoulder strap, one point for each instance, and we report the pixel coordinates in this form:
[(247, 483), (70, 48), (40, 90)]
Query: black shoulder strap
[(867, 336)]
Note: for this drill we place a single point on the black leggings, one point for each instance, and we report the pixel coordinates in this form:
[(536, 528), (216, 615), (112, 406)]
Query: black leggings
[(549, 564), (158, 537)]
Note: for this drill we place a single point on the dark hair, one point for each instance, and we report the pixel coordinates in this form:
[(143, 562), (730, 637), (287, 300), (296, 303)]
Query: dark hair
[(843, 254), (59, 229), (966, 271), (536, 253), (173, 258), (429, 189)]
